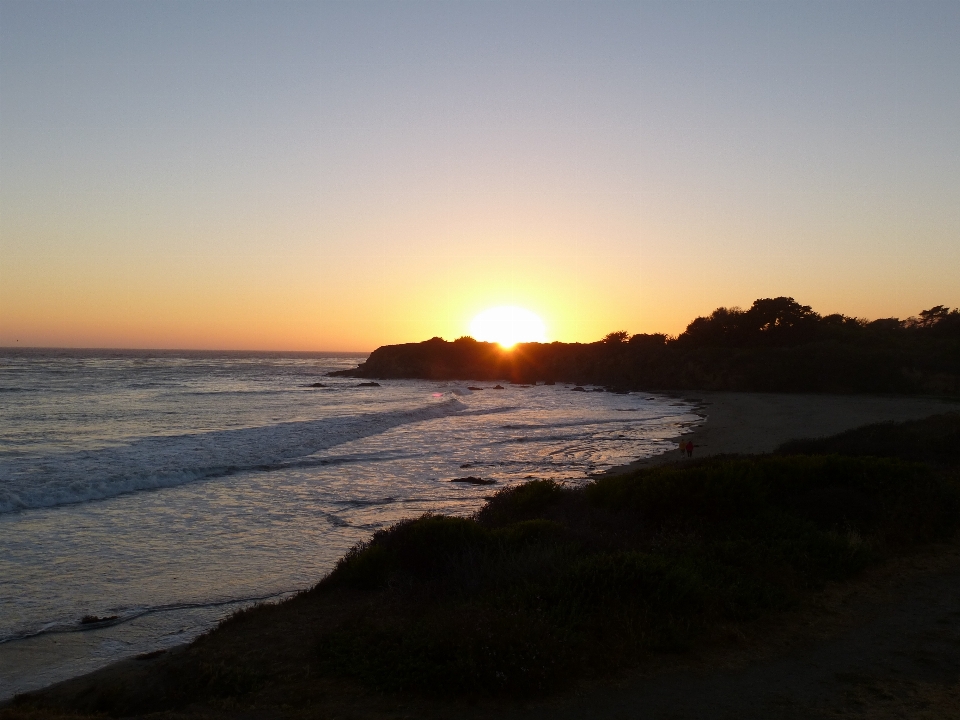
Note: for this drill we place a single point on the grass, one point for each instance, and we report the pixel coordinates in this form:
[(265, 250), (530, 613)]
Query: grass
[(548, 584)]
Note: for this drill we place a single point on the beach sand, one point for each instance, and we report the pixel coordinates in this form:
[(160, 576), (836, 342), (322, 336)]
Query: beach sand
[(740, 423)]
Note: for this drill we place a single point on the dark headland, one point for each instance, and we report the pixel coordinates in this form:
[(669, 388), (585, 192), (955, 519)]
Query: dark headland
[(759, 579), (777, 345)]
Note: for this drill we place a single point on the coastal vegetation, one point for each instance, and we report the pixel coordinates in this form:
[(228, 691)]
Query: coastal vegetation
[(548, 584), (777, 345)]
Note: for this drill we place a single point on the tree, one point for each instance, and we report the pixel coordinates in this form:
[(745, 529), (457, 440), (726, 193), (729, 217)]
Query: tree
[(782, 313), (931, 317)]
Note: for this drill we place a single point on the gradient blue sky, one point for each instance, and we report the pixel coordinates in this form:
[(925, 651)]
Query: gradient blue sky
[(344, 175)]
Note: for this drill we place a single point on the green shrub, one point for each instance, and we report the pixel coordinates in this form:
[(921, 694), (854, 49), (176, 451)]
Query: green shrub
[(522, 502), (872, 496), (473, 652), (933, 439), (546, 583)]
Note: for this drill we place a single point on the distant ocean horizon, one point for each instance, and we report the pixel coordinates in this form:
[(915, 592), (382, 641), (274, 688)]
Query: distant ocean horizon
[(208, 351), (147, 494)]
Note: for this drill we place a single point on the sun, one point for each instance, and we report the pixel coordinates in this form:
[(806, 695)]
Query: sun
[(508, 325)]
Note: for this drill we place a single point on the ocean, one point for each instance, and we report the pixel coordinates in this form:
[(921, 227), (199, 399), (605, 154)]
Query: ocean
[(146, 495)]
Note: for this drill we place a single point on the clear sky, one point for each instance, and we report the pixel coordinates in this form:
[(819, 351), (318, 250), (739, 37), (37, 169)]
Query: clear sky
[(281, 175)]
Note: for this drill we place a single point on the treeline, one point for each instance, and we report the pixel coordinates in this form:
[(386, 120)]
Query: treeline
[(775, 345)]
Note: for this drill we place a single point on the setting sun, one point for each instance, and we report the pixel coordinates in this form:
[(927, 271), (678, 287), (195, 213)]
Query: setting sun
[(508, 326)]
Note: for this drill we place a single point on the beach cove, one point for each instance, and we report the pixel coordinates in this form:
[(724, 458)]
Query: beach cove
[(734, 421), (156, 493), (745, 422)]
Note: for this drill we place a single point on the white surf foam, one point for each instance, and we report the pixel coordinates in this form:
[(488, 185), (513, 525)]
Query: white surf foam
[(124, 615), (166, 461)]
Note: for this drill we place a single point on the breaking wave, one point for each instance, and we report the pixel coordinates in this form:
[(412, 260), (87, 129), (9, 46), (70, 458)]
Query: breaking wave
[(156, 462)]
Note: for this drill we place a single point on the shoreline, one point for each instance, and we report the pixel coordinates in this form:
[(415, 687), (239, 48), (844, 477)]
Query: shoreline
[(742, 423), (737, 423)]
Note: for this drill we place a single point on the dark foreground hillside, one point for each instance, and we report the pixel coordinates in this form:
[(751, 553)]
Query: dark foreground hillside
[(547, 586), (777, 345)]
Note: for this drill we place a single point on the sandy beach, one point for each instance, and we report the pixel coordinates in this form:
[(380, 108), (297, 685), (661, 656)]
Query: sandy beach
[(743, 423)]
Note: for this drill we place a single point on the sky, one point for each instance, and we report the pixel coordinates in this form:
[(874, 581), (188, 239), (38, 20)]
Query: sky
[(344, 175)]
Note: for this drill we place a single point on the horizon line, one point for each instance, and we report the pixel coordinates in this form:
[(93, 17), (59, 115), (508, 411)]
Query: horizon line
[(175, 349)]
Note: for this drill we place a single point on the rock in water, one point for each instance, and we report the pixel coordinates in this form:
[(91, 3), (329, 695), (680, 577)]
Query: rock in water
[(474, 480), (368, 384), (94, 619)]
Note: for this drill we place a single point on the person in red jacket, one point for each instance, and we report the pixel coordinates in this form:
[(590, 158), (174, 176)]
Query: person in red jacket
[(689, 448)]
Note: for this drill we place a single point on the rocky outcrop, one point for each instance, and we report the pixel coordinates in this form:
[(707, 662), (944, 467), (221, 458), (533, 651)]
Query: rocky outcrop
[(775, 346)]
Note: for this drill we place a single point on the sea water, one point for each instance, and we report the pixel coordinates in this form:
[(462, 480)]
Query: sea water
[(161, 491)]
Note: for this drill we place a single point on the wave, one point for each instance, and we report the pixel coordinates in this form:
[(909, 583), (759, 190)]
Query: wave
[(238, 393), (155, 462), (358, 502), (309, 462), (128, 614), (580, 423), (559, 438)]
